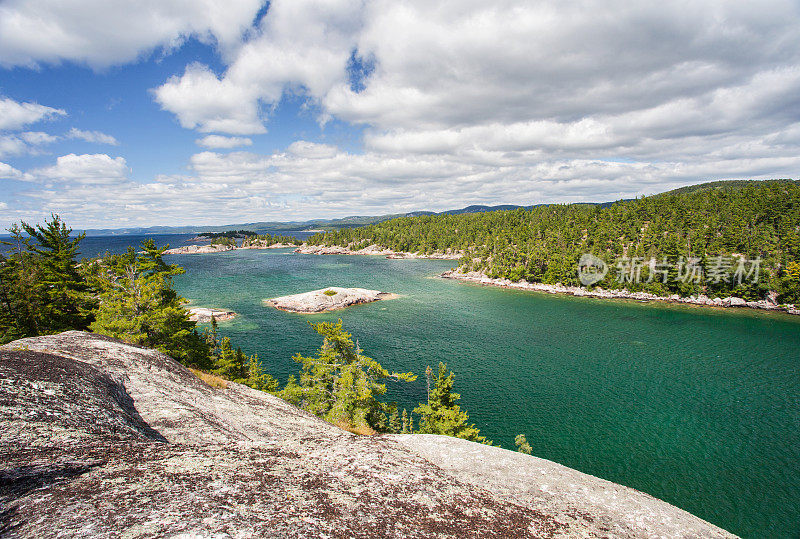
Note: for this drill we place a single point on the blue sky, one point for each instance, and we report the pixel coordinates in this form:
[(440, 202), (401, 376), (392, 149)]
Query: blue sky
[(116, 115)]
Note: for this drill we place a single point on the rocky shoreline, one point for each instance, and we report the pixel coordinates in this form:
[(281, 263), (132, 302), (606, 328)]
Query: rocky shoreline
[(206, 249), (107, 439), (373, 250), (702, 300), (198, 249), (327, 299)]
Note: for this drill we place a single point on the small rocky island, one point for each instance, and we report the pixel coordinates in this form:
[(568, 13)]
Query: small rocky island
[(206, 314), (327, 299)]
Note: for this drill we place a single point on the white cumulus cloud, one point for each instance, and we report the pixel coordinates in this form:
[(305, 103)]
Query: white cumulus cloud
[(104, 33), (218, 141), (15, 115), (97, 137), (86, 169), (29, 142)]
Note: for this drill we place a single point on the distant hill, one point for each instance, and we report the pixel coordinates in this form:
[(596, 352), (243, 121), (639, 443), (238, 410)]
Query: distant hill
[(354, 221), (722, 226)]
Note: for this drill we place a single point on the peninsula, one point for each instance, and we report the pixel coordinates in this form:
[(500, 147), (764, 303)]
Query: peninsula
[(221, 248), (327, 299)]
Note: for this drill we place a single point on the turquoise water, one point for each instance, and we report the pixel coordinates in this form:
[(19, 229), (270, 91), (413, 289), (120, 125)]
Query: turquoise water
[(698, 407)]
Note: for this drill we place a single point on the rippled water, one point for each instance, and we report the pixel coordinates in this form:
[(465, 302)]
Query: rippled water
[(698, 407)]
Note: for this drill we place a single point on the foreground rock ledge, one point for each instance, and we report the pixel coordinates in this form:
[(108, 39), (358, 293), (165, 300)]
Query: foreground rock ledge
[(105, 439), (327, 299)]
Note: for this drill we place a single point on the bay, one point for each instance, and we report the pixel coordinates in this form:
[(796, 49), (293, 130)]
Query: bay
[(698, 407)]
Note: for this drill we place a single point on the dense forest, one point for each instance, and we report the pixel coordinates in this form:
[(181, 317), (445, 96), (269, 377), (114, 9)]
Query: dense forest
[(266, 240), (739, 238)]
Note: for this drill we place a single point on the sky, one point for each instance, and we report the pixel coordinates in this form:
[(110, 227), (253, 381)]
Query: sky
[(200, 112)]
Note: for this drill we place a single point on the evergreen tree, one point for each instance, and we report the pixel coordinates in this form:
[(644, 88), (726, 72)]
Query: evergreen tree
[(41, 288), (441, 414), (138, 304), (407, 423), (68, 304), (394, 419), (229, 363), (341, 384), (522, 444), (257, 378)]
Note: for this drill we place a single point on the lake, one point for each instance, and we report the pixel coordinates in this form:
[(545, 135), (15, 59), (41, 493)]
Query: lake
[(698, 407)]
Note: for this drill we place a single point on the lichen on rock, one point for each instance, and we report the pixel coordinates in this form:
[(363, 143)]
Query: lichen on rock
[(106, 439)]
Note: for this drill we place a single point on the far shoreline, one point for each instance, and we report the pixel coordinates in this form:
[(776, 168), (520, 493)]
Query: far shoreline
[(760, 306)]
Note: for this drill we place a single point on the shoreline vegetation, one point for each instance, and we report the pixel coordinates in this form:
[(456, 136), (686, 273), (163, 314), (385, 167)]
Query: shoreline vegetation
[(130, 296), (700, 300), (718, 244), (375, 250)]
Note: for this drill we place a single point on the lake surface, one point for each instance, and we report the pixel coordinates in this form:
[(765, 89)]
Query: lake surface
[(698, 407), (92, 246)]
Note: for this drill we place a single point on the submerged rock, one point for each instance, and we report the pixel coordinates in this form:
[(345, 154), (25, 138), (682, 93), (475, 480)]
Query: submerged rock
[(327, 299), (105, 439)]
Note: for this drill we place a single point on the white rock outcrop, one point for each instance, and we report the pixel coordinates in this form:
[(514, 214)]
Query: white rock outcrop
[(327, 299)]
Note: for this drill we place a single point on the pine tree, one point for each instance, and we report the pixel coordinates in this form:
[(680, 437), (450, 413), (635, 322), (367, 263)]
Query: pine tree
[(522, 444), (257, 378), (62, 295), (21, 298), (408, 423), (394, 419), (341, 384), (230, 364), (139, 304), (441, 414)]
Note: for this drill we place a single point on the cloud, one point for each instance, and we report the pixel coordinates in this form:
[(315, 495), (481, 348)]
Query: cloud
[(200, 100), (568, 72), (217, 141), (92, 136), (14, 115), (302, 46), (7, 172), (312, 150), (28, 142), (460, 103), (86, 169), (101, 34), (313, 180)]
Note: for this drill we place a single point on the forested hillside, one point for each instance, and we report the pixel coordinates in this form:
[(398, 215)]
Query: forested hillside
[(715, 228)]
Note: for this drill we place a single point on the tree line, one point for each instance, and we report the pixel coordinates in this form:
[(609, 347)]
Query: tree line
[(44, 289), (266, 240), (728, 221)]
